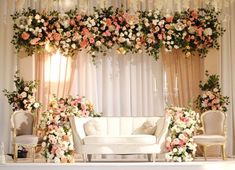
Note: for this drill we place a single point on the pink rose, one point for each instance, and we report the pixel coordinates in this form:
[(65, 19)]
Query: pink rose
[(72, 22), (85, 32), (199, 31), (159, 36), (84, 43), (34, 41), (108, 21), (92, 40), (169, 19), (25, 36), (78, 17), (57, 36)]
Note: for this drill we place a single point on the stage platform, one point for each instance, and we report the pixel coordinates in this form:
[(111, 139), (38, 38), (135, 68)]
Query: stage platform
[(197, 164)]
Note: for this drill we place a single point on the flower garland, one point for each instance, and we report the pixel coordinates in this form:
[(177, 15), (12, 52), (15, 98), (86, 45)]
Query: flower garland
[(190, 30), (23, 98), (179, 143), (58, 143), (211, 97)]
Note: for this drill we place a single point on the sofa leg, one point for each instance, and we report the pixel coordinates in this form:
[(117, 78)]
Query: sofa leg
[(149, 157), (89, 156), (84, 157), (154, 157)]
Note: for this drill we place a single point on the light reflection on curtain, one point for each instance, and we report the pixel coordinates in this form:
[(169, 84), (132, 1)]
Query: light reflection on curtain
[(55, 74)]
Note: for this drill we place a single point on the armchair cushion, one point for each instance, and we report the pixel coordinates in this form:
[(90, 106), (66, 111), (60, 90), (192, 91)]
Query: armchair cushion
[(207, 139), (27, 139)]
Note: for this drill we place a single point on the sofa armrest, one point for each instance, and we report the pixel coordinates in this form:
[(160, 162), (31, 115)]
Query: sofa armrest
[(77, 137), (161, 137)]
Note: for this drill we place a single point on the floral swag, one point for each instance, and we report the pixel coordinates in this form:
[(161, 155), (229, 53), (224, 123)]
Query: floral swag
[(189, 30), (179, 144), (58, 141)]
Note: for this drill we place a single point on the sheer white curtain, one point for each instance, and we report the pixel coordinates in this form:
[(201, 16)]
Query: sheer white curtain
[(228, 73), (121, 85), (8, 63)]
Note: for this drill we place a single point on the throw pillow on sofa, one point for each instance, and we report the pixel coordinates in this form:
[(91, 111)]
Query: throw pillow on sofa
[(92, 127), (148, 128)]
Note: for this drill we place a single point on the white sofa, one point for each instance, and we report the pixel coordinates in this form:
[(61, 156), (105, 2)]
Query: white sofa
[(119, 135)]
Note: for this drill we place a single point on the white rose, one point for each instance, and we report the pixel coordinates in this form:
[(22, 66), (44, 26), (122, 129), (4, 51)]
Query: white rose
[(98, 43), (175, 150), (181, 136), (191, 30), (73, 46), (24, 94), (26, 89), (37, 17), (36, 105), (207, 31), (215, 90)]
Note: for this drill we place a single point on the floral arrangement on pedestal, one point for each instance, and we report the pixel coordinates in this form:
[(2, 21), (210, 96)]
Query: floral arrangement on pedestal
[(179, 143), (211, 97), (189, 30), (23, 97), (58, 143)]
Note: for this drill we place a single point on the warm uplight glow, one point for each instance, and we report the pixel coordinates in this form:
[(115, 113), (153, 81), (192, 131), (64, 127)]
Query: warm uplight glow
[(57, 68)]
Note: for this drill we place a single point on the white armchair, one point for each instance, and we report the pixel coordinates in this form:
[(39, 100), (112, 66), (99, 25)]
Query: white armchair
[(213, 126), (22, 129)]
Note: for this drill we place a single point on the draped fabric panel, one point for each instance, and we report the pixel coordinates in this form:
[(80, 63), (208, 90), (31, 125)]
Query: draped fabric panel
[(182, 77)]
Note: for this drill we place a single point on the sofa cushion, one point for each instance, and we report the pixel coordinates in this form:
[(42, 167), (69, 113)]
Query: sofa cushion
[(92, 127), (136, 139), (148, 127)]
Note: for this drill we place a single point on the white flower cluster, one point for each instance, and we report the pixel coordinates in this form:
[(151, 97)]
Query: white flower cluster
[(179, 143)]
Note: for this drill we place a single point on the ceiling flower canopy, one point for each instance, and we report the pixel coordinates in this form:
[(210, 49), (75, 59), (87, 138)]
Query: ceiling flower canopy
[(189, 30)]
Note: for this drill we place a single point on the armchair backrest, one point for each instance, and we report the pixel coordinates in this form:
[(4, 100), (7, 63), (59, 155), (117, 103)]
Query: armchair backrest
[(22, 122), (213, 122)]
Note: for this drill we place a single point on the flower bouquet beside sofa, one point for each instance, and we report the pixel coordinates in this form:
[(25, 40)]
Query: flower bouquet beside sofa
[(179, 143), (57, 145)]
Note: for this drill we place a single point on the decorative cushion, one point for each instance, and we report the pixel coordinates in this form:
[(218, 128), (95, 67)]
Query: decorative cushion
[(132, 139), (27, 139), (147, 127), (92, 127), (160, 126)]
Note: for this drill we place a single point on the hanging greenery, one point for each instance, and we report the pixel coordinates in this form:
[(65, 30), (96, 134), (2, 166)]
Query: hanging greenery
[(189, 30)]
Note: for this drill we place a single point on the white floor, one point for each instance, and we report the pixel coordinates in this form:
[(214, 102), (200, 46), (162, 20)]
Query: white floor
[(123, 164)]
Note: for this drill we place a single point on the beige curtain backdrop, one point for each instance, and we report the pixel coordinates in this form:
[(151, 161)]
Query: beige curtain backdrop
[(55, 73), (182, 77)]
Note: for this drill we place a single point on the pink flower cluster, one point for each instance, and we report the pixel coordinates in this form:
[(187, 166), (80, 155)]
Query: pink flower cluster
[(212, 100), (23, 98), (57, 142), (150, 30), (179, 143)]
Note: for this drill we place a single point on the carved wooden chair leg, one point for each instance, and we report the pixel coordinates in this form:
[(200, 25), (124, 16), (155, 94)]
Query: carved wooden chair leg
[(89, 156), (84, 156), (223, 152), (204, 152), (149, 157), (154, 157), (15, 150)]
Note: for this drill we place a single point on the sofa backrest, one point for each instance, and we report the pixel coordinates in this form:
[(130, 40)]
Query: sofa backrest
[(116, 126)]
